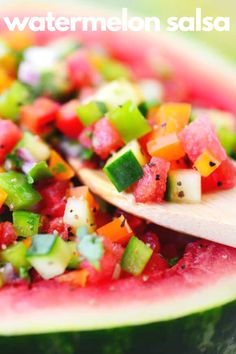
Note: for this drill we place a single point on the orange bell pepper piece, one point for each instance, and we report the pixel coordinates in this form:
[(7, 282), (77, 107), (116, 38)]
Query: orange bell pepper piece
[(171, 116), (8, 63), (3, 197), (84, 192), (117, 231), (167, 147), (59, 167), (75, 277), (27, 242), (5, 80), (18, 40)]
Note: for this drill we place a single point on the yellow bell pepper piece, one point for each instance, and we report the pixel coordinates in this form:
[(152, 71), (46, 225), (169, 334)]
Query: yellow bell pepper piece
[(3, 197), (206, 163)]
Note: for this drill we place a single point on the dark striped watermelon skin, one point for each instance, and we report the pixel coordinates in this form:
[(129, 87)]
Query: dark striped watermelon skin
[(209, 332)]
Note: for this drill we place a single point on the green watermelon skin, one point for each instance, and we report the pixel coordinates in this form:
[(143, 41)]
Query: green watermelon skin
[(210, 332)]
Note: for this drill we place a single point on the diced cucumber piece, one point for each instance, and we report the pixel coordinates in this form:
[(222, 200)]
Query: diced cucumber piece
[(123, 169), (184, 186), (78, 213), (11, 100), (21, 194), (16, 255), (26, 223), (136, 256), (116, 93), (75, 259), (39, 171), (135, 147), (82, 231), (91, 248), (91, 112), (34, 144), (49, 255), (129, 122)]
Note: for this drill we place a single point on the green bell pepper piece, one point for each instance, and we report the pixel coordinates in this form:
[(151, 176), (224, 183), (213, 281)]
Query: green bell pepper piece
[(113, 70), (16, 255), (21, 194), (39, 171), (91, 112), (129, 122), (11, 100), (136, 256), (26, 223)]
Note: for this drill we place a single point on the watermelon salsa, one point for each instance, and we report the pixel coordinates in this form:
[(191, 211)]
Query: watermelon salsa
[(145, 137), (59, 241), (64, 99)]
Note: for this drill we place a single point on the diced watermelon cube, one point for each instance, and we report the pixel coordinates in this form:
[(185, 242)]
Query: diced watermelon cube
[(7, 234), (81, 72), (199, 136), (50, 226), (53, 201), (152, 186), (39, 116), (85, 137), (156, 264), (111, 258), (67, 120), (106, 139), (150, 238), (10, 135), (222, 178)]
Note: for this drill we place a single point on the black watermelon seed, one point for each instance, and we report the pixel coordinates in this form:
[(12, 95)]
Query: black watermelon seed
[(181, 194), (123, 223)]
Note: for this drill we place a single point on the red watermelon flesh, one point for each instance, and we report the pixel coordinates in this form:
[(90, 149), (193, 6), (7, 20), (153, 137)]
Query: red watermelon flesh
[(152, 186), (223, 178), (199, 136), (203, 265), (106, 138), (112, 256)]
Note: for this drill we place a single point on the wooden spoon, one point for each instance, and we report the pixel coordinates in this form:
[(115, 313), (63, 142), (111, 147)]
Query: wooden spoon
[(213, 219)]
